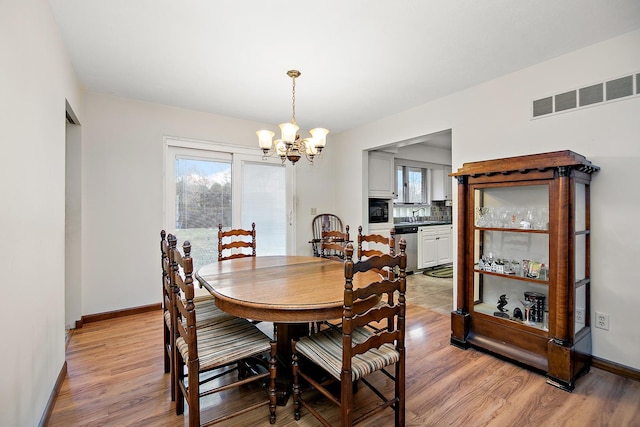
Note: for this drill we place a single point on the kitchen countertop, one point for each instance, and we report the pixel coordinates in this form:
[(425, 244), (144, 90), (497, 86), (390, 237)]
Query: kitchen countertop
[(420, 223)]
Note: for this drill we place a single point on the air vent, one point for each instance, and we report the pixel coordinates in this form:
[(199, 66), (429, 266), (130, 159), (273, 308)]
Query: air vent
[(619, 88), (566, 101), (591, 94), (542, 106), (611, 90)]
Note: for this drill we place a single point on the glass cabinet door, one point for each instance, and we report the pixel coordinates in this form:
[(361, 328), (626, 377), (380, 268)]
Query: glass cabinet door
[(511, 254)]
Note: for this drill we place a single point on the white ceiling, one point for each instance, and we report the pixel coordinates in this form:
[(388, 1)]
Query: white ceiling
[(360, 59)]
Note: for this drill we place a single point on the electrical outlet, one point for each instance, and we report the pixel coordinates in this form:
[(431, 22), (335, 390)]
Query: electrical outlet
[(314, 211), (602, 321), (580, 315)]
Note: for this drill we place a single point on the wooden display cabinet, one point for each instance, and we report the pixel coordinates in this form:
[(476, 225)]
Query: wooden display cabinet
[(524, 235)]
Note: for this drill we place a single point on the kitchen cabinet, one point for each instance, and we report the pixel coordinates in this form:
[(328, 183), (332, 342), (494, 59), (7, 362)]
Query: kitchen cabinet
[(523, 262), (441, 188), (434, 245), (448, 187), (381, 175)]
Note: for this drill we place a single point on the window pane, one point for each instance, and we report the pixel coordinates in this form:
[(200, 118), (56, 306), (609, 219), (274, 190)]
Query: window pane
[(203, 200), (400, 184), (415, 185), (264, 202)]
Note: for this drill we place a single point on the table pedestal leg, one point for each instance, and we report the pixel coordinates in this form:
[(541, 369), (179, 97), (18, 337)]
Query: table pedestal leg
[(285, 333)]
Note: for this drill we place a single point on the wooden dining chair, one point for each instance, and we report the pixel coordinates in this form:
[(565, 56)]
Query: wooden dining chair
[(355, 353), (223, 346), (236, 242), (168, 311), (332, 244), (375, 244), (320, 223), (207, 310)]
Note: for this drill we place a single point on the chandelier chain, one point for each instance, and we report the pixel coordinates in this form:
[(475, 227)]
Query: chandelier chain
[(293, 101)]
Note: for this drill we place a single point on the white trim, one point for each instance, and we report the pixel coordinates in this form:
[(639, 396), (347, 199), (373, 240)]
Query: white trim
[(202, 144)]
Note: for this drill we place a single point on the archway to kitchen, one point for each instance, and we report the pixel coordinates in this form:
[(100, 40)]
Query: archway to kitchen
[(409, 189)]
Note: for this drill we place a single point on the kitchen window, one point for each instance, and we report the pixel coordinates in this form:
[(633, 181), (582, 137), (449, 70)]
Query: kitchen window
[(411, 184)]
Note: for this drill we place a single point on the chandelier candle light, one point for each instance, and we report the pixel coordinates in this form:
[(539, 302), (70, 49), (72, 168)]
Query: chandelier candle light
[(290, 146)]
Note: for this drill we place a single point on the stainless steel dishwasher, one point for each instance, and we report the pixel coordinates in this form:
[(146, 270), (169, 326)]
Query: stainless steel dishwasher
[(410, 234)]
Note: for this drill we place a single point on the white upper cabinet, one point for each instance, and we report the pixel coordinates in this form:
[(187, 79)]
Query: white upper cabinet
[(381, 175), (441, 188)]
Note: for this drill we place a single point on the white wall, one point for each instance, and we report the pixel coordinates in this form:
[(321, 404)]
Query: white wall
[(35, 79), (314, 190), (122, 192), (492, 120)]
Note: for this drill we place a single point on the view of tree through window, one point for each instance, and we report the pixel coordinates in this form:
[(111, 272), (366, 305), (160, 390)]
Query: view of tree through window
[(415, 185), (203, 193), (203, 200), (411, 184)]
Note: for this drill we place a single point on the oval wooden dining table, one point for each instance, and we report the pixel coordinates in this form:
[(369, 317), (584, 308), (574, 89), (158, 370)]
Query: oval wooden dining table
[(290, 291)]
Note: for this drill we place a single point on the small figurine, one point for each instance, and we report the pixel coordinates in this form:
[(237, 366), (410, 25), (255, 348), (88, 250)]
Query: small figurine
[(502, 301), (517, 313)]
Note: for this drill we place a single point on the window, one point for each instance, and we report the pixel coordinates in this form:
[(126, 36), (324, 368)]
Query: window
[(202, 201), (411, 184), (205, 187)]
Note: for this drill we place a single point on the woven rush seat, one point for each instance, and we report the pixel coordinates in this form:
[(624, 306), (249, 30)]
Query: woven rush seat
[(325, 349), (225, 341)]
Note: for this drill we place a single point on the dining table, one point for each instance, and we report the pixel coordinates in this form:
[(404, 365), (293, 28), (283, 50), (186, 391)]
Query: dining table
[(290, 291)]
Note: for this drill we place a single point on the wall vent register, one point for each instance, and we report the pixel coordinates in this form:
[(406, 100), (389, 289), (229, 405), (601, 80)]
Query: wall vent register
[(611, 90)]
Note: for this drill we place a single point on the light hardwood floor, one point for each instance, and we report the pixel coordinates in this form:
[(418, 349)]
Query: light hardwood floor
[(115, 378)]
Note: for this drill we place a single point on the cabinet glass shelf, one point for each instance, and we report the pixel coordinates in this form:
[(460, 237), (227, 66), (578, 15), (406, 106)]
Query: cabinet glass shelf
[(489, 310)]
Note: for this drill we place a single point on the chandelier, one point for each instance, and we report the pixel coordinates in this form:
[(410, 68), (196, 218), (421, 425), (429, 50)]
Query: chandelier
[(290, 145)]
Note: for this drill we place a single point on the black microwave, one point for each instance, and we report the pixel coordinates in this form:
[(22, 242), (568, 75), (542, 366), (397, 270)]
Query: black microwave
[(379, 210)]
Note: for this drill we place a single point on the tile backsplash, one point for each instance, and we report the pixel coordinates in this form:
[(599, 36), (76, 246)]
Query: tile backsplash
[(436, 211)]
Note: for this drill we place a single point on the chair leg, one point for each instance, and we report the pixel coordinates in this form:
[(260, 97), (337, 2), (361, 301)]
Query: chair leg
[(400, 390), (346, 399), (178, 368), (296, 384), (167, 359), (273, 400), (193, 393)]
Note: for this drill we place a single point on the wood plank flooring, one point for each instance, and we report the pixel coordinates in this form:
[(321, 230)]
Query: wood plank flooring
[(115, 378)]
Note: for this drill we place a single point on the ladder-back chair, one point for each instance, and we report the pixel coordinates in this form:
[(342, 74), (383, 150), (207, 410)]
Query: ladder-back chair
[(374, 244), (236, 241), (333, 242), (221, 347), (207, 310), (355, 352), (326, 222)]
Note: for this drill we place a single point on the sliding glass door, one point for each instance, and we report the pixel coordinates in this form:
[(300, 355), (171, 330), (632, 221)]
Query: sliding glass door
[(205, 188)]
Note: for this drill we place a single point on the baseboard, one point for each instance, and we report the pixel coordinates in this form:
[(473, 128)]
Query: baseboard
[(48, 410), (615, 368), (117, 313)]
